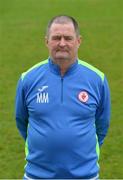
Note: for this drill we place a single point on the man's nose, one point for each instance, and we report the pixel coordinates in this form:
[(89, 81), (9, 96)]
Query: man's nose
[(62, 42)]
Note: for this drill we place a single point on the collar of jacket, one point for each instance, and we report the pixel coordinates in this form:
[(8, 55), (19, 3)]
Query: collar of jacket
[(56, 69)]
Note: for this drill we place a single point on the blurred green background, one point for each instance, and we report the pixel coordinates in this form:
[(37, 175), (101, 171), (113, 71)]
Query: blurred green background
[(22, 31)]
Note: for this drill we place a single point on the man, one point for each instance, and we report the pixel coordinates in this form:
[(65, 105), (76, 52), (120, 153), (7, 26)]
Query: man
[(62, 109)]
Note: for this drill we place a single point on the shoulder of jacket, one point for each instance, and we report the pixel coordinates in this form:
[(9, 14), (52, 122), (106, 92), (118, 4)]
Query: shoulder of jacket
[(89, 66), (33, 67)]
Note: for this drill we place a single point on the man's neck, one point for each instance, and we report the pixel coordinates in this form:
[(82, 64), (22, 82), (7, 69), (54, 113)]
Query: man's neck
[(63, 71), (64, 65)]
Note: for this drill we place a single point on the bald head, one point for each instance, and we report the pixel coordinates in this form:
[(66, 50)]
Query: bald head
[(63, 20)]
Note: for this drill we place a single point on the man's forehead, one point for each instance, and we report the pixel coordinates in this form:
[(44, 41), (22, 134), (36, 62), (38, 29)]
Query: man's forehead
[(59, 28)]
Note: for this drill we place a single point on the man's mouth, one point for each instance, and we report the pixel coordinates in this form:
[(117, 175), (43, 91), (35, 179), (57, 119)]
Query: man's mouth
[(62, 50)]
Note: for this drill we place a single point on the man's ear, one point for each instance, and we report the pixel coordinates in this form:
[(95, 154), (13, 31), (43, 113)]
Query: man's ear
[(80, 40), (46, 40)]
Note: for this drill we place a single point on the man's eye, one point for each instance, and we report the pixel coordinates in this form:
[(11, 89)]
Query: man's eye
[(56, 38), (68, 38)]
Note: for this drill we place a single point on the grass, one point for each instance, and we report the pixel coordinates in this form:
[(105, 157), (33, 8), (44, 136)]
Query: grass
[(22, 30)]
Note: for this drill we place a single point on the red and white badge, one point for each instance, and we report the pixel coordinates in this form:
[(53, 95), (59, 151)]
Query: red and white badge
[(83, 96)]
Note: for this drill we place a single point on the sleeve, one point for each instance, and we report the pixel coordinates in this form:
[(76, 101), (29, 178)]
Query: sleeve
[(21, 113), (103, 113)]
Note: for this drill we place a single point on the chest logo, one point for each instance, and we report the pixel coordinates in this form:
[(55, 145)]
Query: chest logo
[(83, 96), (42, 96)]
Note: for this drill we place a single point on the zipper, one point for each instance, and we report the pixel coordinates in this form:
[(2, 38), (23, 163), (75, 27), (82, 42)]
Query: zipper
[(62, 89)]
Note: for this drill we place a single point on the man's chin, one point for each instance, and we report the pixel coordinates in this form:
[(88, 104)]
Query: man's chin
[(62, 58)]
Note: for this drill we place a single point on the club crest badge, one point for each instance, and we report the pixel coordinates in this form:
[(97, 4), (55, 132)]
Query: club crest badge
[(83, 96)]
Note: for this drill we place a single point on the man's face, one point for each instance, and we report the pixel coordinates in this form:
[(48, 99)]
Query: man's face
[(63, 42)]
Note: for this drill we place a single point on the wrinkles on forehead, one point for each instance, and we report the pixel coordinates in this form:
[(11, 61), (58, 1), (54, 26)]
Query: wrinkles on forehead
[(66, 29), (59, 37)]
